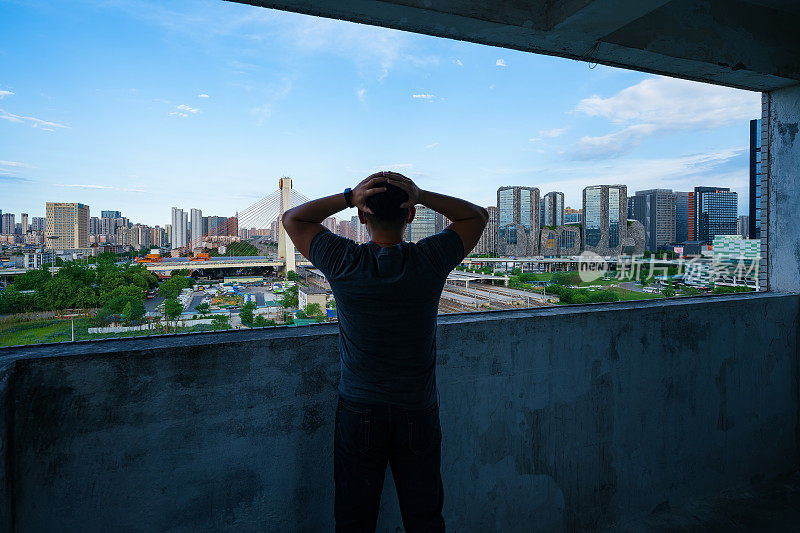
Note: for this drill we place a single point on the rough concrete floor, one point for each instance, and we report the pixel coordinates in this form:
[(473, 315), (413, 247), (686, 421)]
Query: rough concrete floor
[(768, 507)]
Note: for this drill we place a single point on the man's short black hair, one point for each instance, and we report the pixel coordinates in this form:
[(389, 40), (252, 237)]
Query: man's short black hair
[(386, 206)]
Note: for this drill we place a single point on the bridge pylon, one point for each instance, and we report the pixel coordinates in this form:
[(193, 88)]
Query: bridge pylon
[(285, 244)]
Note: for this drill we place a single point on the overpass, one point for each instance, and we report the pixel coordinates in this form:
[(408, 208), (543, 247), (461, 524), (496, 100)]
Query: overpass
[(220, 263)]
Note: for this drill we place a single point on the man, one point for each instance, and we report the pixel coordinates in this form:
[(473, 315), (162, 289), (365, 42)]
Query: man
[(387, 295)]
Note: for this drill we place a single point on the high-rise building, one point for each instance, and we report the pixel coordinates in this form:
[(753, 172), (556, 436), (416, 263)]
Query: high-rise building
[(330, 223), (345, 229), (217, 226), (232, 225), (426, 222), (655, 209), (518, 221), (605, 209), (196, 231), (178, 238), (488, 241), (95, 228), (553, 209), (715, 212), (158, 236), (755, 180), (110, 214), (7, 225), (683, 215), (38, 224), (24, 222), (573, 216), (67, 225), (743, 226)]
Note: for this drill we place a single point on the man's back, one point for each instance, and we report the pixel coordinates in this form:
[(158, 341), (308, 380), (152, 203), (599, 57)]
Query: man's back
[(387, 301)]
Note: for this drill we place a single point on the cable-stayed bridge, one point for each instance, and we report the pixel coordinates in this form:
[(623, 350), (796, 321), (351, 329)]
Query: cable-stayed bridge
[(277, 249)]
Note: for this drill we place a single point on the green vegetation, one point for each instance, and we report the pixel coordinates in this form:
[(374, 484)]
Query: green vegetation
[(52, 330), (237, 248), (172, 287), (246, 313), (262, 322), (292, 276), (568, 295), (690, 291), (315, 312), (669, 290), (78, 286), (720, 289), (202, 308), (221, 322), (290, 297), (172, 308), (626, 295), (568, 277)]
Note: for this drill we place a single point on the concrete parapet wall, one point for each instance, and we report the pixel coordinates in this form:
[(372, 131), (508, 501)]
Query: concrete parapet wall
[(555, 418)]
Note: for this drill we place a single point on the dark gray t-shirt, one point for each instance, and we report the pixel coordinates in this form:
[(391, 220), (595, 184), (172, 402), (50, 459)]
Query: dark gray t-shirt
[(387, 300)]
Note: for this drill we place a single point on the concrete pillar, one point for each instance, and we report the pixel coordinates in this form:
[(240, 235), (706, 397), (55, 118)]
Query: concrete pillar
[(782, 106), (285, 244)]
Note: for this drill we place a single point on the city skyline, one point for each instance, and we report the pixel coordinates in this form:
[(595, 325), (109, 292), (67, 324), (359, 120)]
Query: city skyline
[(266, 94)]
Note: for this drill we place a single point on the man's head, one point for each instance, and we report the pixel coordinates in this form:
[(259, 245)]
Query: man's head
[(387, 215)]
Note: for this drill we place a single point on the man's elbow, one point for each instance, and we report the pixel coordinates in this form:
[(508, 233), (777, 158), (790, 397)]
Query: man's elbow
[(484, 214), (286, 219)]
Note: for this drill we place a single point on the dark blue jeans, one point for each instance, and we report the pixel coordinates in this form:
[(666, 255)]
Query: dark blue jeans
[(367, 437)]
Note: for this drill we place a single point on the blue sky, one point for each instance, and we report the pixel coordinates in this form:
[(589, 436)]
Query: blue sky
[(138, 106)]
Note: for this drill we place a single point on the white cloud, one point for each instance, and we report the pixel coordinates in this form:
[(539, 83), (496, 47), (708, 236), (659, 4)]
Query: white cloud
[(179, 114), (263, 113), (204, 95), (375, 50), (432, 145), (424, 96), (458, 62), (661, 105), (34, 122), (14, 164), (188, 109), (500, 63), (83, 186), (555, 132), (134, 190), (361, 94), (3, 94)]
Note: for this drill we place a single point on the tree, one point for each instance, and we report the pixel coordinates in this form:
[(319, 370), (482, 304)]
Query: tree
[(290, 297), (292, 276), (246, 313), (174, 285), (669, 290), (262, 322), (132, 312), (315, 311), (172, 308), (202, 308), (566, 278), (221, 322)]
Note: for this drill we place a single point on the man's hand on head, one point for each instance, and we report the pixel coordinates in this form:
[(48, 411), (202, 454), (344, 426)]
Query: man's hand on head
[(371, 185), (406, 184)]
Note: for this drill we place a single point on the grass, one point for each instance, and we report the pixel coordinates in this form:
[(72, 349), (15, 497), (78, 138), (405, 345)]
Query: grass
[(47, 331), (34, 332), (626, 295)]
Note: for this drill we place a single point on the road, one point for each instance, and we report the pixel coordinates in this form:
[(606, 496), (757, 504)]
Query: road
[(631, 286)]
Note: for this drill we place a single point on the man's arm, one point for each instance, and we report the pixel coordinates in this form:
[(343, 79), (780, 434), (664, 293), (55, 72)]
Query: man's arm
[(468, 219), (303, 222)]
